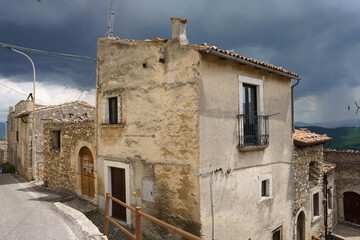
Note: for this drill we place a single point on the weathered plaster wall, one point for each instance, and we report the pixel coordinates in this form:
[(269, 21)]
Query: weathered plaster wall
[(347, 176), (304, 188), (158, 86), (238, 205), (62, 167)]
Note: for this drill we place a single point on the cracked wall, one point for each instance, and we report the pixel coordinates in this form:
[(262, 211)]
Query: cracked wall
[(157, 83)]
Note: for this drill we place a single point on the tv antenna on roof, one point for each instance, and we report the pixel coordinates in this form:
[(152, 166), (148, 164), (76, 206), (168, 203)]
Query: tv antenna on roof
[(110, 24)]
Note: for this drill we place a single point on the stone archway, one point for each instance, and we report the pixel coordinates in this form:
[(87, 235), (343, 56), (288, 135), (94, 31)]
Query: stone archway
[(351, 203), (87, 172), (300, 226)]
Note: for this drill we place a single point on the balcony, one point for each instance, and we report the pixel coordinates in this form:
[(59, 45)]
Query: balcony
[(253, 132)]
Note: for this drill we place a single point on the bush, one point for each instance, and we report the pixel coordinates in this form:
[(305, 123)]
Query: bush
[(8, 168)]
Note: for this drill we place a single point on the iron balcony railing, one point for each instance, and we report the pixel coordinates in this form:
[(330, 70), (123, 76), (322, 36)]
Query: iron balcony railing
[(253, 130)]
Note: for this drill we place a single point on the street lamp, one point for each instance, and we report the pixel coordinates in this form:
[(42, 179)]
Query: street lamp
[(33, 120)]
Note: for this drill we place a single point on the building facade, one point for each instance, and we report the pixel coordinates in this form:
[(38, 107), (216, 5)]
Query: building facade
[(347, 178), (313, 182), (69, 156), (199, 137), (29, 163)]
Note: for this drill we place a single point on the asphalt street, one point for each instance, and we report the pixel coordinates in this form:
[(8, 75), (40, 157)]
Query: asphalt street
[(27, 214)]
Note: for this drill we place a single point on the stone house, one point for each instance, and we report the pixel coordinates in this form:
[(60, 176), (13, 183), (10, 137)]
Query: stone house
[(314, 180), (347, 178), (20, 129), (69, 153), (198, 136)]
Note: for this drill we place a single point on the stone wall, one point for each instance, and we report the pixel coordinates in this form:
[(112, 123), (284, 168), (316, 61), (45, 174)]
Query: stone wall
[(347, 177), (304, 188), (20, 123), (61, 167)]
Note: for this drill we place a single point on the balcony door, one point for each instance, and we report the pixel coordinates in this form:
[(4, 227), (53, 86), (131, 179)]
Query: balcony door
[(250, 115)]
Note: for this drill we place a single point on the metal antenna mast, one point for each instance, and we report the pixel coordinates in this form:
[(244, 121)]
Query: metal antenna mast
[(110, 30)]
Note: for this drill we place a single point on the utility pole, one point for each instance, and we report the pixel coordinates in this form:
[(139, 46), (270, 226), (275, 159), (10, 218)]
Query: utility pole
[(33, 118)]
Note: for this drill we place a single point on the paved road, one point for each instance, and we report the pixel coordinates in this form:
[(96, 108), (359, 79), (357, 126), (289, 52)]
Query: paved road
[(27, 214)]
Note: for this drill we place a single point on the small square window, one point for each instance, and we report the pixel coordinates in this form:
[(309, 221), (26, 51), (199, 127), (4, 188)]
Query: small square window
[(265, 187), (55, 140), (276, 234)]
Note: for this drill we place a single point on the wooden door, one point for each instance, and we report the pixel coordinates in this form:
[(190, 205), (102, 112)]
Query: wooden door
[(118, 191), (87, 172), (352, 207)]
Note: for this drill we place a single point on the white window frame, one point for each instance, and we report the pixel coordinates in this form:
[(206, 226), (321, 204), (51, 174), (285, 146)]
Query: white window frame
[(259, 84), (106, 113), (266, 177), (314, 191)]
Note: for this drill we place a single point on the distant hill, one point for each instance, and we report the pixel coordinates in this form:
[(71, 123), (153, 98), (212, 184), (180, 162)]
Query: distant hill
[(2, 131), (332, 124), (344, 138)]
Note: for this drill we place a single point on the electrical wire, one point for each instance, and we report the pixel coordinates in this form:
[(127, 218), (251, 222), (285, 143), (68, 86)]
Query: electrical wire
[(13, 89), (21, 92), (87, 84), (73, 57)]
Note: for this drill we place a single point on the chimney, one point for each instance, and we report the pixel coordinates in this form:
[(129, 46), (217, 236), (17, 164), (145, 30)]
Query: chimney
[(179, 30), (11, 109)]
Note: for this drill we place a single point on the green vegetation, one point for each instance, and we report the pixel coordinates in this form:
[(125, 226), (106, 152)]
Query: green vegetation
[(344, 138), (8, 168)]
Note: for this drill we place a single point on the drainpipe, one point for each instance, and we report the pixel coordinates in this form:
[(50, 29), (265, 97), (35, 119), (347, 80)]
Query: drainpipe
[(325, 201), (292, 104), (213, 201)]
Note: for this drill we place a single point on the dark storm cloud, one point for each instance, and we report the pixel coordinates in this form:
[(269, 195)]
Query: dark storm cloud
[(319, 40)]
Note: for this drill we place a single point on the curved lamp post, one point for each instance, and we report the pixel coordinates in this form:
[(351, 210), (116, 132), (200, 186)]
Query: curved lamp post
[(33, 120)]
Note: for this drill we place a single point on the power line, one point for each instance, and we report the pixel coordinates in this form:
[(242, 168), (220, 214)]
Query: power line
[(55, 54), (13, 89), (87, 84), (21, 92)]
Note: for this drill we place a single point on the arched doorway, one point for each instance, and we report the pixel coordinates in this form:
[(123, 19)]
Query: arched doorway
[(300, 226), (87, 172), (352, 207)]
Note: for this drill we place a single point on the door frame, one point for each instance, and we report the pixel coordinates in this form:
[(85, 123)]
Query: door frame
[(107, 179), (340, 202), (77, 165)]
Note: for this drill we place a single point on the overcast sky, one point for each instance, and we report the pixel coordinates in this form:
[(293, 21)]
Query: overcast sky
[(319, 40)]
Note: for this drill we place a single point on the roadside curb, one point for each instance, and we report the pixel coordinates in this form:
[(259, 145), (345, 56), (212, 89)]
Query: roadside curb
[(89, 230)]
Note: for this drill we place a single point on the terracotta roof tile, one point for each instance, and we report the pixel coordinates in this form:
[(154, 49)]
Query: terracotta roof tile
[(304, 137), (328, 167), (251, 60)]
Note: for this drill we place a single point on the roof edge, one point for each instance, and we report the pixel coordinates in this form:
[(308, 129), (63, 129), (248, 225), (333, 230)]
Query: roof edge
[(219, 54)]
